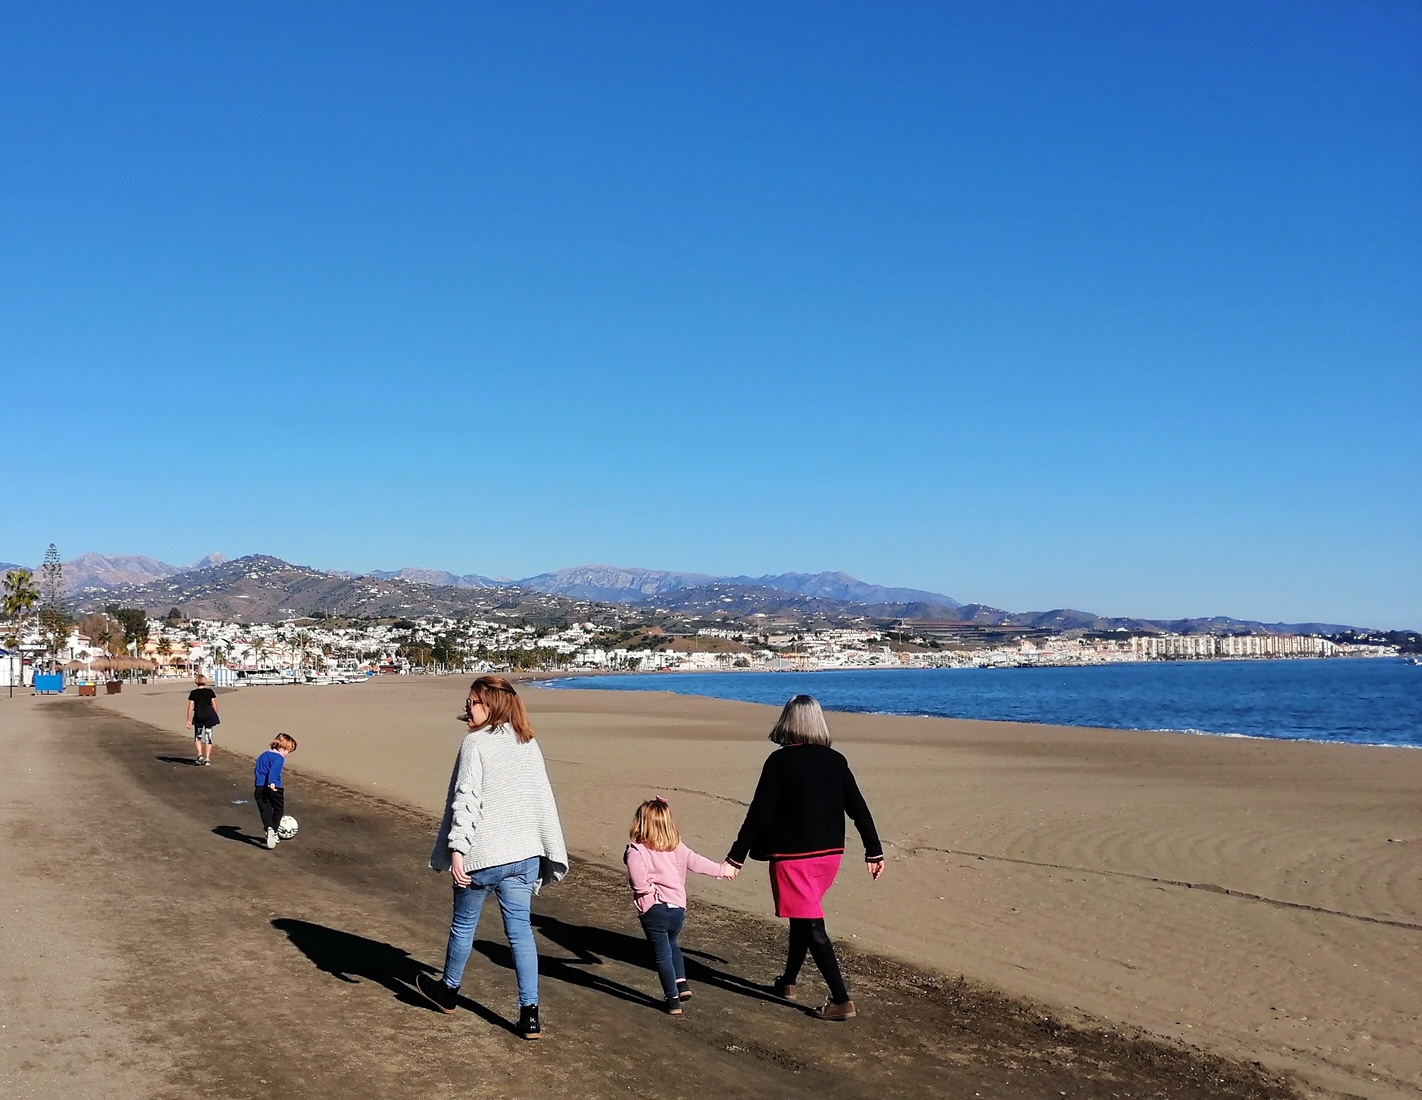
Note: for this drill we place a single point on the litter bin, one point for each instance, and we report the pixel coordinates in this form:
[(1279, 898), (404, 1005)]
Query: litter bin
[(89, 689), (113, 687)]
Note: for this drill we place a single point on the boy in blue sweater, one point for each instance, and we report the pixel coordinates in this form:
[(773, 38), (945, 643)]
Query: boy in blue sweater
[(268, 792)]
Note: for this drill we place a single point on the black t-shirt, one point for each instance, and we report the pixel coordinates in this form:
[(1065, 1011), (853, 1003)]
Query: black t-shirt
[(201, 699)]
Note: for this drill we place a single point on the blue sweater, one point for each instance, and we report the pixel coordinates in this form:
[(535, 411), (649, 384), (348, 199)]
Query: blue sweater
[(268, 768)]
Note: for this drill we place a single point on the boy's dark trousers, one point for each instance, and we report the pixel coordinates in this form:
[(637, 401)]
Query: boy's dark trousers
[(271, 804)]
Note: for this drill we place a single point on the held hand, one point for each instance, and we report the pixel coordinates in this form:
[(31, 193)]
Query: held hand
[(876, 868), (456, 869), (729, 870)]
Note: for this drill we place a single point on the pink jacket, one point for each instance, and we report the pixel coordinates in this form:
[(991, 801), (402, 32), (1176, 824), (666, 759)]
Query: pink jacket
[(661, 876)]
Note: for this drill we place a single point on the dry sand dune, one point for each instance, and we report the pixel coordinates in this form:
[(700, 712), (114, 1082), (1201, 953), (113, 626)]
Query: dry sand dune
[(1261, 899)]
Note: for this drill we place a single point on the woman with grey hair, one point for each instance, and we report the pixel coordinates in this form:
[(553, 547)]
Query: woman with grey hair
[(796, 823)]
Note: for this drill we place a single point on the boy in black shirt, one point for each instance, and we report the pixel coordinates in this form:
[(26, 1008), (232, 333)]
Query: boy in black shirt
[(202, 717)]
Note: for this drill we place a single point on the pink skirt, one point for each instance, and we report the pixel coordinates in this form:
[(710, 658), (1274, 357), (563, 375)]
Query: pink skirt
[(799, 885)]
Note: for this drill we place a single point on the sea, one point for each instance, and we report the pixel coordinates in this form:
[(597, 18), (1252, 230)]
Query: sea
[(1359, 701)]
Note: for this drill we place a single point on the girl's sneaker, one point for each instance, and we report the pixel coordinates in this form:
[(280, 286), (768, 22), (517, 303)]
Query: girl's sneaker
[(683, 990), (673, 1006), (528, 1025)]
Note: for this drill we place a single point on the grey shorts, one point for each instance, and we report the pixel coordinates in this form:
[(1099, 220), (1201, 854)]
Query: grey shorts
[(203, 734)]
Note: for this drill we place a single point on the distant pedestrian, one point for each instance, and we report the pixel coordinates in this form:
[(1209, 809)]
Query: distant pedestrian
[(796, 823), (657, 862), (268, 787), (202, 719), (500, 835)]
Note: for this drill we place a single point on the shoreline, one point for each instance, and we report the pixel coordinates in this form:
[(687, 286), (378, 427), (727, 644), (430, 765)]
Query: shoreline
[(567, 681)]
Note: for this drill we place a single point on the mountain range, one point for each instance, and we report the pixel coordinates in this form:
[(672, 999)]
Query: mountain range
[(603, 583), (263, 588)]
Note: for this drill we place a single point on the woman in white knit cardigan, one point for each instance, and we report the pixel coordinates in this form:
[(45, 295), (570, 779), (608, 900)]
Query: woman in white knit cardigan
[(500, 835)]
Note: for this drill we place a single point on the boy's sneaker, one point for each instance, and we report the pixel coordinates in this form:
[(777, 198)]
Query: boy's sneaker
[(436, 992), (683, 990), (831, 1011), (528, 1025), (272, 838), (673, 1006), (198, 760)]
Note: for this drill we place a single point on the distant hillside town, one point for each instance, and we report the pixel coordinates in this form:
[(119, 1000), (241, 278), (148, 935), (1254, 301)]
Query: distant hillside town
[(103, 647), (259, 619)]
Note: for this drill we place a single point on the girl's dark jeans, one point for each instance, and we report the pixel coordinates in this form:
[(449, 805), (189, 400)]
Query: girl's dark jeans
[(270, 804), (662, 924)]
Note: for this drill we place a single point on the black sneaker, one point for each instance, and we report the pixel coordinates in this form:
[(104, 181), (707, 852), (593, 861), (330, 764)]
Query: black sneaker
[(436, 992), (528, 1025), (673, 1006), (683, 990)]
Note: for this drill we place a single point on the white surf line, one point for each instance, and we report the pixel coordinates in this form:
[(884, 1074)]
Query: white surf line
[(1208, 887)]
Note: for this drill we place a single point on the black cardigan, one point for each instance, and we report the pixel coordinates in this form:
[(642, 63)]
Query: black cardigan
[(799, 807)]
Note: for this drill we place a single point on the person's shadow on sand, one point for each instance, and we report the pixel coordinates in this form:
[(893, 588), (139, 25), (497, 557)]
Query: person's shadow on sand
[(349, 958), (188, 760), (234, 832), (590, 945)]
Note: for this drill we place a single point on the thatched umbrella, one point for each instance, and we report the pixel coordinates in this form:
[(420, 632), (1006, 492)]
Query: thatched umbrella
[(133, 664), (74, 666)]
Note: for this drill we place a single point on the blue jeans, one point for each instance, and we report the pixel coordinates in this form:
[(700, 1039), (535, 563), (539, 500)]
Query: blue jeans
[(513, 883), (662, 924)]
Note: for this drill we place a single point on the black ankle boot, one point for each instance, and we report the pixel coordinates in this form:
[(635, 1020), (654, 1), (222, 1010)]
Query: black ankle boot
[(436, 992), (528, 1025)]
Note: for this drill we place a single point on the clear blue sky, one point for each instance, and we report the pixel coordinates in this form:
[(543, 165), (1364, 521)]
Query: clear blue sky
[(1115, 306)]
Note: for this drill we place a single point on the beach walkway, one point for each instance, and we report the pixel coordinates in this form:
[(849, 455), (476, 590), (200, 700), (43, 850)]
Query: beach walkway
[(152, 948)]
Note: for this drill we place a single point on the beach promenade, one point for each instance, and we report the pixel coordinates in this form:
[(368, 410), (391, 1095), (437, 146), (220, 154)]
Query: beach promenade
[(1254, 900)]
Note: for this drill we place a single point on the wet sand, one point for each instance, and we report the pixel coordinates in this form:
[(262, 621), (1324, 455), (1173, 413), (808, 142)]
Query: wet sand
[(1256, 899)]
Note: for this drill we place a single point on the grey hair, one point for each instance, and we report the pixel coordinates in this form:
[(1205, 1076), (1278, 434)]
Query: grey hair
[(802, 722)]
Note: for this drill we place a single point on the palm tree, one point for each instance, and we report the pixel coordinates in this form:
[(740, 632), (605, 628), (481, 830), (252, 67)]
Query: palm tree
[(21, 595), (165, 647), (303, 640)]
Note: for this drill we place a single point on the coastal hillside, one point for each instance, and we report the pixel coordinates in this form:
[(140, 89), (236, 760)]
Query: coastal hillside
[(260, 588), (266, 589)]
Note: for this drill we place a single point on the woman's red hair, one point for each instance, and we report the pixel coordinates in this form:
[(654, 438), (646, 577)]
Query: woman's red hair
[(504, 706)]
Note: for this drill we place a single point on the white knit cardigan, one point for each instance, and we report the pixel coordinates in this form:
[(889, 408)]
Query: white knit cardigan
[(500, 807)]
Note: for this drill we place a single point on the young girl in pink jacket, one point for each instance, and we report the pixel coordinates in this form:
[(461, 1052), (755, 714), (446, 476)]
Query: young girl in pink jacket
[(657, 863)]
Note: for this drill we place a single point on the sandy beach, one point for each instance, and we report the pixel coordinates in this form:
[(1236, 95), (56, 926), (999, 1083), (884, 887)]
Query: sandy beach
[(1260, 900)]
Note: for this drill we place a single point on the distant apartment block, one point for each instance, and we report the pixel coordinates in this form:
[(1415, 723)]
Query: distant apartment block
[(1204, 646)]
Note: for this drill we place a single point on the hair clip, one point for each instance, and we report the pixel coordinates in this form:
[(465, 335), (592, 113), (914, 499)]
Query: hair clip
[(661, 798)]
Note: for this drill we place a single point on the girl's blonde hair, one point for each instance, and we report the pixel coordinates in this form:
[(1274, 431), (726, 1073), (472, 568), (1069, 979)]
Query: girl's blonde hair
[(802, 722), (284, 741), (504, 705), (653, 827)]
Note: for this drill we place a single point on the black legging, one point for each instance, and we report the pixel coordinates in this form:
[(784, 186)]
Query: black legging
[(808, 934)]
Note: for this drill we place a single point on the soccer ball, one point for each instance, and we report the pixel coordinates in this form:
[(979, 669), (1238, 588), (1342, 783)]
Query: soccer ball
[(286, 827)]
